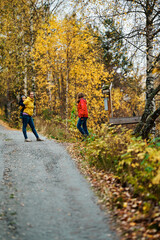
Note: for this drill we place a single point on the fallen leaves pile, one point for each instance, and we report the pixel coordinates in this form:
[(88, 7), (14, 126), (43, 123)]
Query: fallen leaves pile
[(135, 218)]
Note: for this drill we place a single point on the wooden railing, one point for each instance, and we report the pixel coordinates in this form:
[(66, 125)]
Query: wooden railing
[(124, 120)]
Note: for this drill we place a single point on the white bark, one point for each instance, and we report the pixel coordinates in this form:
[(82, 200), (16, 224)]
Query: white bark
[(49, 83), (67, 88), (25, 75), (150, 59)]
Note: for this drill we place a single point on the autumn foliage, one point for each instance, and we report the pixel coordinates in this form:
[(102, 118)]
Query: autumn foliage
[(67, 61), (134, 160)]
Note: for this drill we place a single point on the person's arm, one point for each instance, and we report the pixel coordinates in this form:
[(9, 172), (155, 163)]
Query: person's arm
[(22, 104), (26, 102)]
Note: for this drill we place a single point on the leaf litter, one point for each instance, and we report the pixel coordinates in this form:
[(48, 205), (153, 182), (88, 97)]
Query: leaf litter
[(135, 218)]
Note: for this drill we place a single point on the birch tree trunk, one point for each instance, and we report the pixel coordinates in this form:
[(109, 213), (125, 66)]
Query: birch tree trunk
[(150, 59), (25, 59), (150, 102), (67, 88), (150, 123), (25, 75)]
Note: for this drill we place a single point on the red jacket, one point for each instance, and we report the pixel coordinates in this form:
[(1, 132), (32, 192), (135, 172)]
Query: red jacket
[(82, 108)]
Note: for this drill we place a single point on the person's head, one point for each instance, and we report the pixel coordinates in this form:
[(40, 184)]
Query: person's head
[(31, 95), (79, 96), (23, 98)]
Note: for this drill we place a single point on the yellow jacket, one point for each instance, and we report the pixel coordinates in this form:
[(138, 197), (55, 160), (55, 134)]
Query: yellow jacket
[(29, 106)]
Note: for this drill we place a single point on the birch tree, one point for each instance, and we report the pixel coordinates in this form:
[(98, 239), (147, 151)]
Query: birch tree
[(149, 29), (139, 21)]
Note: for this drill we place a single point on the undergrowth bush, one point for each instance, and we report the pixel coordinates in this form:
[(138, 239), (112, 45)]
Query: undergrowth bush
[(55, 127), (140, 166), (15, 120), (134, 161), (104, 150)]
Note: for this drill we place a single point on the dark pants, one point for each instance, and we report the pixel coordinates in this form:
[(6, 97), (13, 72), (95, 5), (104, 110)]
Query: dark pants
[(82, 122), (28, 120)]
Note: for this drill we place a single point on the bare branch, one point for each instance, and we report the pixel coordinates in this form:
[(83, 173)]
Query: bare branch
[(157, 13), (155, 33), (138, 2)]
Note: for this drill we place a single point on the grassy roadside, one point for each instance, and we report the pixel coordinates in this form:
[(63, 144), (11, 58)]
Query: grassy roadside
[(5, 124), (120, 169)]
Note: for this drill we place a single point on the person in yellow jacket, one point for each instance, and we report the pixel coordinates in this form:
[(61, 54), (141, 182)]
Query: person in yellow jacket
[(27, 117)]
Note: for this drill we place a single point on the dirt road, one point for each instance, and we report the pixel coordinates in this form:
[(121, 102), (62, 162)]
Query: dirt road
[(42, 194)]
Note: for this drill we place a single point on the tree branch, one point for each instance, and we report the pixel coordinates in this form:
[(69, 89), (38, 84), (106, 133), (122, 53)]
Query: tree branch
[(155, 16), (138, 2), (155, 33)]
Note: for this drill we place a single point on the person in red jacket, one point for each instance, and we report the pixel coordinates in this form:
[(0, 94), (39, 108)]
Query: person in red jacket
[(82, 114)]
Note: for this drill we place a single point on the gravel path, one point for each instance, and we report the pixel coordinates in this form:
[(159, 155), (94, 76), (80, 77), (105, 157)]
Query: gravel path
[(42, 194)]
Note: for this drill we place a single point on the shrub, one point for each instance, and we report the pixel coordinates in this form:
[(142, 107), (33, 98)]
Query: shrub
[(15, 120), (140, 166), (133, 160), (104, 151)]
